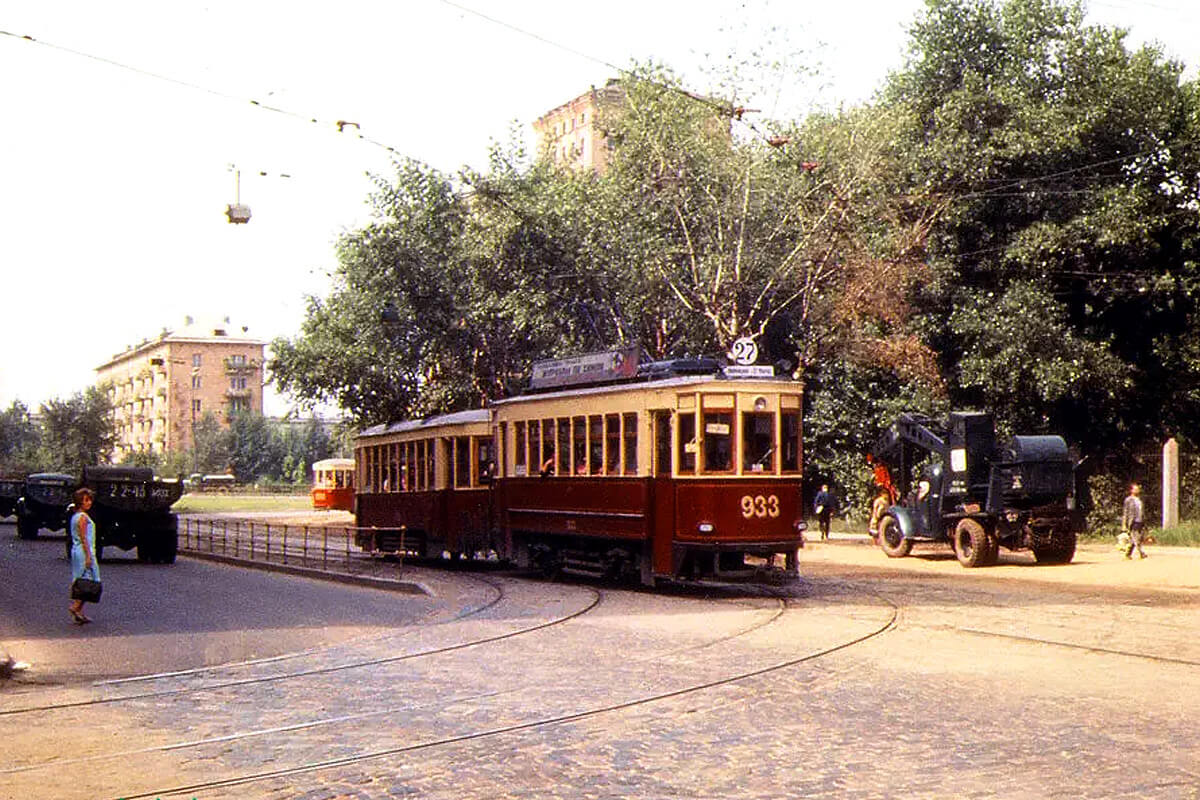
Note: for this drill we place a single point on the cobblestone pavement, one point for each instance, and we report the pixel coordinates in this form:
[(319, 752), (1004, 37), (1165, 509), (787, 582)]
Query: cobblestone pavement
[(866, 679)]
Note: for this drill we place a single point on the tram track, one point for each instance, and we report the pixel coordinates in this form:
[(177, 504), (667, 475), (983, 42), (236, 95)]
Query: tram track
[(464, 614), (597, 597), (1108, 651), (778, 611), (907, 607), (549, 721)]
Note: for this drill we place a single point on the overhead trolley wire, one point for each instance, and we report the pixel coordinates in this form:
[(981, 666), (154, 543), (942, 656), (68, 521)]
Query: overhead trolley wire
[(342, 125)]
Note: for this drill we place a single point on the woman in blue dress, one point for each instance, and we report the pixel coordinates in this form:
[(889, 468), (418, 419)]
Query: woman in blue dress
[(82, 531)]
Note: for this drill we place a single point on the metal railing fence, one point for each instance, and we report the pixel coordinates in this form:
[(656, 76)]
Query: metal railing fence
[(327, 548)]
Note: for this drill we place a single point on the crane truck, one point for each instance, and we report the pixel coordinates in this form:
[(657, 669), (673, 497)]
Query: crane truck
[(950, 482)]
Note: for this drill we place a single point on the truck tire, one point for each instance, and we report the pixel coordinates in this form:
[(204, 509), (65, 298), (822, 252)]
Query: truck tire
[(169, 548), (147, 549), (1060, 549), (27, 528), (891, 538), (972, 544)]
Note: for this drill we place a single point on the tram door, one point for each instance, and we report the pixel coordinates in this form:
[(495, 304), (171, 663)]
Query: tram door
[(658, 560), (662, 443)]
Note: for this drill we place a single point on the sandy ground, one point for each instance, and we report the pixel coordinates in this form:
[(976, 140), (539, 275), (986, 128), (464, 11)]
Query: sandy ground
[(1095, 565)]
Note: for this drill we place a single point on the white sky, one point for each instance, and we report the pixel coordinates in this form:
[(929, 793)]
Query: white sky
[(113, 184)]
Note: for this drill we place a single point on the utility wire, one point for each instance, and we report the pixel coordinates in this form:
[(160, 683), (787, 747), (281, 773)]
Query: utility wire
[(342, 125)]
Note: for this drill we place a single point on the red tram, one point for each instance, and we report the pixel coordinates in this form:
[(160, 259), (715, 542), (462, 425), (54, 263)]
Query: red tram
[(676, 469), (333, 484)]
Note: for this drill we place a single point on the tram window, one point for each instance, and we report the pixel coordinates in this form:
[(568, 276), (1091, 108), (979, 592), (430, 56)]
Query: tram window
[(687, 443), (424, 455), (564, 446), (758, 442), (484, 462), (631, 444), (519, 451), (402, 486), (548, 445), (430, 479), (579, 449), (535, 445), (662, 442), (596, 445), (790, 436), (612, 440), (718, 441), (462, 461)]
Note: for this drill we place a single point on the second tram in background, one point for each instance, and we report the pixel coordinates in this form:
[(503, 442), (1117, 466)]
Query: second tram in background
[(333, 484), (668, 469)]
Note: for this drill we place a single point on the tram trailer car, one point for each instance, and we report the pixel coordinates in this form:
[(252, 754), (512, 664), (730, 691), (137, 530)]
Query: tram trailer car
[(423, 486), (679, 470)]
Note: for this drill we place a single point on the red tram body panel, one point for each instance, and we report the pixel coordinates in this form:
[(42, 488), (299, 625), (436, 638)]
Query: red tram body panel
[(661, 474)]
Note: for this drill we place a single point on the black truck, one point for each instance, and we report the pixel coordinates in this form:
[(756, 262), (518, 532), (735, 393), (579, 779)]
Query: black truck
[(952, 483), (10, 492), (132, 508), (43, 502)]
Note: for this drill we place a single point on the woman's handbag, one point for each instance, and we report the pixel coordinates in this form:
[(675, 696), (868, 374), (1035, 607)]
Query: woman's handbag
[(86, 589)]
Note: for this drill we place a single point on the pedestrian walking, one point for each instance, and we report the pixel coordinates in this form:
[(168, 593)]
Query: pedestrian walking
[(1133, 521), (825, 506), (84, 563)]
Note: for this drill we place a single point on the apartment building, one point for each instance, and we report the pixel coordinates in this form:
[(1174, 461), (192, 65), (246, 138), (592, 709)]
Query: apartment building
[(162, 387), (570, 136)]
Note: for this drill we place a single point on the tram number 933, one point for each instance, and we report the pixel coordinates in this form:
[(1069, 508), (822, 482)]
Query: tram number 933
[(759, 506)]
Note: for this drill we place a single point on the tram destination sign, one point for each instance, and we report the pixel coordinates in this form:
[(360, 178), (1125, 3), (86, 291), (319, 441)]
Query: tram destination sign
[(590, 368), (749, 371)]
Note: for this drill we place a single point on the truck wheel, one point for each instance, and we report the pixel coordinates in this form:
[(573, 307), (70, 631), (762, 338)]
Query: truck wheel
[(972, 544), (27, 528), (891, 538), (170, 547), (1060, 550)]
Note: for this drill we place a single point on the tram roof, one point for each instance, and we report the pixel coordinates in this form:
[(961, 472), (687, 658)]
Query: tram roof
[(455, 418), (677, 381)]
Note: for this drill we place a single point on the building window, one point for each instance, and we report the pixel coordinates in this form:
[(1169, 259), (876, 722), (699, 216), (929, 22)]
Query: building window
[(195, 381), (195, 406), (195, 359), (238, 382), (237, 404), (238, 360)]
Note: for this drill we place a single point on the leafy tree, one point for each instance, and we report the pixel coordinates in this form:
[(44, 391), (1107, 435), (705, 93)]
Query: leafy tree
[(210, 446), (253, 452), (1064, 264), (77, 431), (19, 440), (692, 239), (404, 262)]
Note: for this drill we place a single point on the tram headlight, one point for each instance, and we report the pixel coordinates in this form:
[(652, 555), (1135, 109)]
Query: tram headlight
[(801, 526), (705, 527)]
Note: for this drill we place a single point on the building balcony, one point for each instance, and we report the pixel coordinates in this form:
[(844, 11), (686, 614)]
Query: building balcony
[(233, 367)]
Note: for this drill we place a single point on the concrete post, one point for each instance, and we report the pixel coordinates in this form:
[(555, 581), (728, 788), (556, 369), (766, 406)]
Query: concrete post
[(1170, 484)]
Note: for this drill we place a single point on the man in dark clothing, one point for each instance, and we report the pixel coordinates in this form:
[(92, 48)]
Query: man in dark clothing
[(825, 506)]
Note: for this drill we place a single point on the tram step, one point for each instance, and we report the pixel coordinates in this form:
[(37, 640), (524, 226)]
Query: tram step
[(583, 566)]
